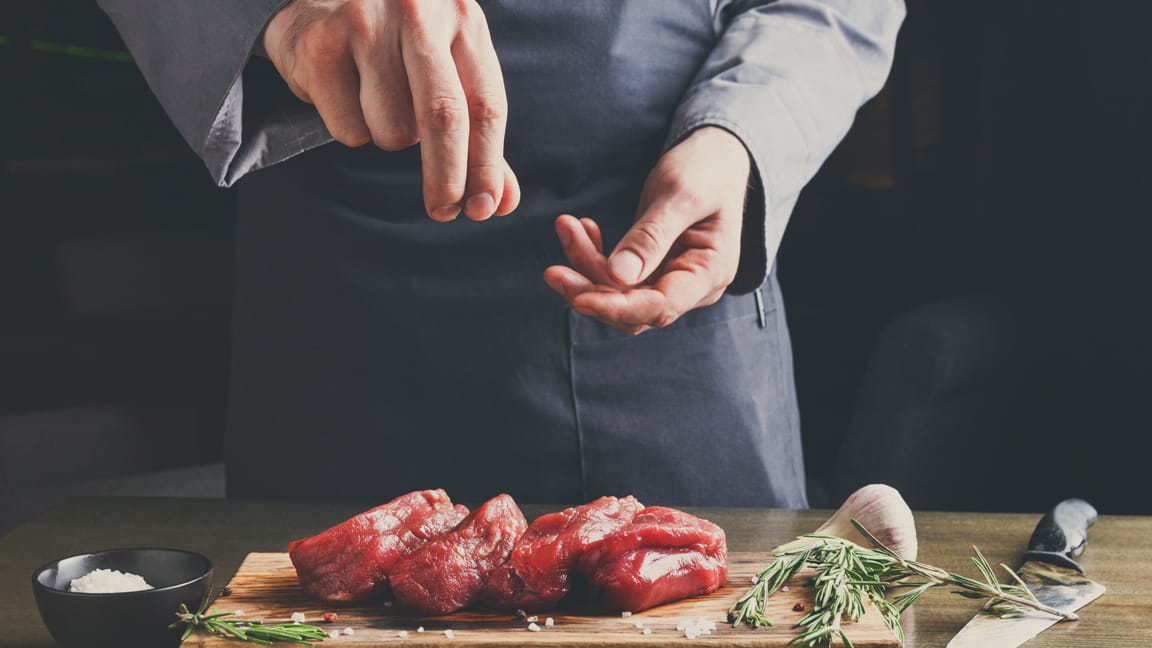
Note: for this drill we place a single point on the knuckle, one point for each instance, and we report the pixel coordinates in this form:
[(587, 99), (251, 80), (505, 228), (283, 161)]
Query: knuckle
[(647, 237), (687, 196), (320, 47), (445, 114), (359, 19), (488, 107)]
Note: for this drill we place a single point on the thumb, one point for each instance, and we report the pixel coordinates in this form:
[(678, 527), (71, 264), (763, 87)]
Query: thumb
[(648, 241)]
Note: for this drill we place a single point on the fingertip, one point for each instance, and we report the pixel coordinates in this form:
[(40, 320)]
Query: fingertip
[(510, 198), (625, 267), (480, 206), (444, 214), (555, 282)]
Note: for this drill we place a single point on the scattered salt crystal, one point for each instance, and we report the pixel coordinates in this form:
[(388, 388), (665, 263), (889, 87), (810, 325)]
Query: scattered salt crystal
[(387, 603), (532, 627), (403, 634), (784, 588), (238, 613), (449, 634), (693, 628), (420, 629), (625, 614), (348, 631), (108, 581), (755, 579), (639, 624), (549, 622), (297, 617), (335, 634), (647, 631), (532, 619)]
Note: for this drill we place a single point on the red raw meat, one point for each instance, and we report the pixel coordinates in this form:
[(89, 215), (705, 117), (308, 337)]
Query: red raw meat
[(664, 555), (448, 573), (350, 562), (543, 562)]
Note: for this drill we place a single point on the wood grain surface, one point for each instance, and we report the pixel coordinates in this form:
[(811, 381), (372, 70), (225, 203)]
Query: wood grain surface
[(1119, 555), (266, 588)]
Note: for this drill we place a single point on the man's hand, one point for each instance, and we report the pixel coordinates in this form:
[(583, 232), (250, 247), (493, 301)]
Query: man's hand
[(683, 249), (398, 72)]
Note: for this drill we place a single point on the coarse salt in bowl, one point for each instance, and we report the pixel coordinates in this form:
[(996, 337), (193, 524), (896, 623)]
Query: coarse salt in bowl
[(124, 618)]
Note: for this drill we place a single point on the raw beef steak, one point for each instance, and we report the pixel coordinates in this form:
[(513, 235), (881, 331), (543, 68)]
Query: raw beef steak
[(664, 555), (350, 562), (543, 563), (449, 572)]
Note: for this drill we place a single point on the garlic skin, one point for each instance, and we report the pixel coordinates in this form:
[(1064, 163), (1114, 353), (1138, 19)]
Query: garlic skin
[(882, 510)]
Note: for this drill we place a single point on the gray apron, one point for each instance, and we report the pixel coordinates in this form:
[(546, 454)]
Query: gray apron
[(378, 352)]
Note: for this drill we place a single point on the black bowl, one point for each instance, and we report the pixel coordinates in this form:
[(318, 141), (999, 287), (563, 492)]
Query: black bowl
[(126, 618)]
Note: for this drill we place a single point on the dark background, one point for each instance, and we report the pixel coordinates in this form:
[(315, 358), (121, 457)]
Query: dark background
[(965, 278)]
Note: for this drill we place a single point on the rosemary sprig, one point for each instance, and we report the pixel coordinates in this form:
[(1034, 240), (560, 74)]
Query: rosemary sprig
[(847, 575), (244, 629)]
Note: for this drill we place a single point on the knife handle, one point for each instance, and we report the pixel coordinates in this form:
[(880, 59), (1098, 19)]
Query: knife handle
[(1062, 534)]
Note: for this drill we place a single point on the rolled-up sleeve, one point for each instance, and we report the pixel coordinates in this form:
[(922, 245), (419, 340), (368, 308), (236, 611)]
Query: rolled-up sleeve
[(787, 77), (193, 55)]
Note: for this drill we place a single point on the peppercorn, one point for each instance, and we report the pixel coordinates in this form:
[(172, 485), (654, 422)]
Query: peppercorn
[(330, 617), (799, 607)]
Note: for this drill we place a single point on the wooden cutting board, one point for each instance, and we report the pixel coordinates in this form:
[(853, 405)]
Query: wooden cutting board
[(265, 588)]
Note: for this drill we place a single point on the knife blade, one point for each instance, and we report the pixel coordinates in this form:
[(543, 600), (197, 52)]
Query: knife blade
[(1051, 573)]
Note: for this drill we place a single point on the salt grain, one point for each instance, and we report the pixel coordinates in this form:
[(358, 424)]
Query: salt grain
[(647, 631), (348, 631), (297, 617), (549, 622), (335, 634), (238, 613), (784, 588), (532, 619), (532, 627), (449, 634), (420, 629), (387, 603), (625, 614), (639, 624), (403, 634)]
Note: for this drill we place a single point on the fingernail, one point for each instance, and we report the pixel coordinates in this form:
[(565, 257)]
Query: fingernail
[(565, 236), (626, 266), (480, 206), (445, 213)]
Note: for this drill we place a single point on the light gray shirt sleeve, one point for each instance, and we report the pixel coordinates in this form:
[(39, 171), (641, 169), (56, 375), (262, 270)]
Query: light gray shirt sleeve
[(205, 100), (786, 77)]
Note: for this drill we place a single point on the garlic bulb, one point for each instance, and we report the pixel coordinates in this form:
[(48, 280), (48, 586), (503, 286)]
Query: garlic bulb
[(882, 511)]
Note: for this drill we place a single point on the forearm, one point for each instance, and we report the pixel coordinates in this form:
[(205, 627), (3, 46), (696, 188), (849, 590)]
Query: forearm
[(786, 78), (192, 55)]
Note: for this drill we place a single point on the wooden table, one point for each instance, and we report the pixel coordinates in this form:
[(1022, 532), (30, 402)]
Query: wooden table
[(1119, 555)]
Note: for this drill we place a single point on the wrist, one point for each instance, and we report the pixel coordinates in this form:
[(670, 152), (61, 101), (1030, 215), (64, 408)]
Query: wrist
[(724, 145)]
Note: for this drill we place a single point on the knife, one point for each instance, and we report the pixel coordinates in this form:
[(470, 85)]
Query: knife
[(1051, 573)]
